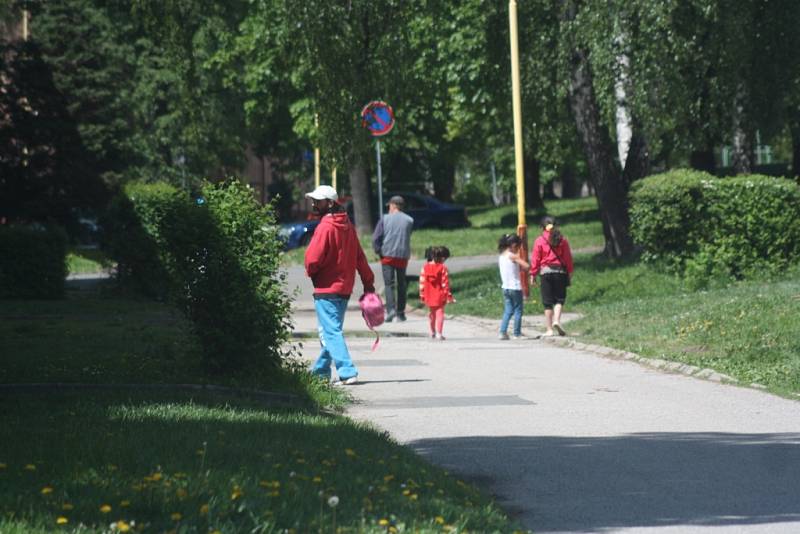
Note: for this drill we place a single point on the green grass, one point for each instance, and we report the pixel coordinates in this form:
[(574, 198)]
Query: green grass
[(86, 261), (200, 465), (748, 330), (169, 460), (579, 219)]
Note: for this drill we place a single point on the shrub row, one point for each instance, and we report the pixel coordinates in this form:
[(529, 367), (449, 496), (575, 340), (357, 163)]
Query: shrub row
[(217, 258), (32, 262), (708, 227)]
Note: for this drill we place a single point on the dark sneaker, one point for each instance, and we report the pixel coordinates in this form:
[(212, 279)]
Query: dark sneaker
[(389, 318), (502, 336), (401, 317)]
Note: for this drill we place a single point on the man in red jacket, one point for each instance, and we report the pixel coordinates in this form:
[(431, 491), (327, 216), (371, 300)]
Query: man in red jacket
[(332, 258)]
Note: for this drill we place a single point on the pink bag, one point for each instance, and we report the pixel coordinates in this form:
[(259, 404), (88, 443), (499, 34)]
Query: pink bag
[(373, 311)]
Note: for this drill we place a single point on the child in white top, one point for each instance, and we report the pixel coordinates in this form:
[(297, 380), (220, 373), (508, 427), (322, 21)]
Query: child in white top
[(509, 262)]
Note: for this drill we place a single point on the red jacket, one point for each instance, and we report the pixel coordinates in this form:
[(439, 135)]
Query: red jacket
[(542, 254), (434, 285), (333, 256)]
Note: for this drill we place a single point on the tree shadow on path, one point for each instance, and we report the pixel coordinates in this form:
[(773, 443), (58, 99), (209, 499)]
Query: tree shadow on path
[(590, 484)]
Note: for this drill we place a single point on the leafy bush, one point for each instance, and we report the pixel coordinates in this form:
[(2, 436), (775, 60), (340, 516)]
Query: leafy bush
[(32, 262), (217, 258), (474, 193), (226, 253), (133, 236), (717, 228)]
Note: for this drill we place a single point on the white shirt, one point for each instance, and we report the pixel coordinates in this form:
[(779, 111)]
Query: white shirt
[(509, 271)]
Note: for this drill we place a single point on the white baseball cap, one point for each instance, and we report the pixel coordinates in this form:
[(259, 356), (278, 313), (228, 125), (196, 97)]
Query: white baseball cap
[(323, 192)]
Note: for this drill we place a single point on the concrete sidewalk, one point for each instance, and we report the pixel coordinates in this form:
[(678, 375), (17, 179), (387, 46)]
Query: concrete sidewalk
[(569, 441)]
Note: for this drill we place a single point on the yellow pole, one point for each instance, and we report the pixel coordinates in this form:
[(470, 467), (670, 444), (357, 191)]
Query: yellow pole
[(522, 227), (24, 24), (333, 178), (316, 155)]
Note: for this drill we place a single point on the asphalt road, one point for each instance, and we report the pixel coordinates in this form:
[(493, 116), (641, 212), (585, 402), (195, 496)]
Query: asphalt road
[(570, 441)]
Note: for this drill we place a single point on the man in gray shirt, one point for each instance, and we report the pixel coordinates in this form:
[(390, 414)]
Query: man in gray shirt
[(391, 240)]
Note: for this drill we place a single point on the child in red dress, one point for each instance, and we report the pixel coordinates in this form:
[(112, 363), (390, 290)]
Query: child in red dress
[(434, 288)]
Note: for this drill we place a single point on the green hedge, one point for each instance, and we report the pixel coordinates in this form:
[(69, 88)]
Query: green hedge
[(133, 236), (33, 262), (218, 259), (710, 227)]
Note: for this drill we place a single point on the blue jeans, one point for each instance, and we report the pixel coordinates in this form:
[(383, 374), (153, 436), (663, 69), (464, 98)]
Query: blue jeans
[(513, 305), (330, 316)]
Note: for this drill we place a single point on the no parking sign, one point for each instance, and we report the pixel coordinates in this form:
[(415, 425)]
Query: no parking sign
[(378, 118)]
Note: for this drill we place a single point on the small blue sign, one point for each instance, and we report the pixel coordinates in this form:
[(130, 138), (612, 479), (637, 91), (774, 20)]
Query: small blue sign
[(378, 118)]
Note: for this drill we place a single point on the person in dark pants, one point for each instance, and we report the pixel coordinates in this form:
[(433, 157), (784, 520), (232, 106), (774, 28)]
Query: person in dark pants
[(391, 240), (552, 261)]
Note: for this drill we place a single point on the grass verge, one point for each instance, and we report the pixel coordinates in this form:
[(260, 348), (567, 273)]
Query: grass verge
[(116, 460), (748, 330), (86, 261), (200, 465)]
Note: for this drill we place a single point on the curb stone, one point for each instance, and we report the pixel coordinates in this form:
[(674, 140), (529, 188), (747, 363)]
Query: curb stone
[(654, 363)]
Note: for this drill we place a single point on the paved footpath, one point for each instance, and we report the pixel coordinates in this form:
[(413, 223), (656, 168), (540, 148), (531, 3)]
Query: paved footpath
[(569, 441)]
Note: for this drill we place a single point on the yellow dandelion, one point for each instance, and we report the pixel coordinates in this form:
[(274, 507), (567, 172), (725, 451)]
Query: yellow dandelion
[(67, 507), (388, 478), (61, 520), (204, 509), (383, 522), (30, 467), (413, 496), (46, 490), (3, 465), (105, 508), (237, 492), (181, 493), (124, 504), (439, 520), (274, 493), (215, 532), (122, 526), (176, 516), (350, 452), (316, 480), (406, 492), (393, 529)]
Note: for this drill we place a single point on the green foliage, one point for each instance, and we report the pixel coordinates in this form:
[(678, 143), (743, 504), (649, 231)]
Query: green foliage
[(32, 262), (133, 226), (226, 255), (46, 173), (217, 258), (714, 228), (473, 193)]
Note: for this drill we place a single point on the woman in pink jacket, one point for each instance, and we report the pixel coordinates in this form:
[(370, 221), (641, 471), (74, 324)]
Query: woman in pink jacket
[(551, 259)]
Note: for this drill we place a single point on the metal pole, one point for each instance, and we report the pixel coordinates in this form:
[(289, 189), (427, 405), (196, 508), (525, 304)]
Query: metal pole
[(380, 179), (333, 178), (522, 227)]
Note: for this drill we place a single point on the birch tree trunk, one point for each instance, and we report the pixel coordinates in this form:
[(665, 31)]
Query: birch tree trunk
[(742, 139), (605, 177)]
